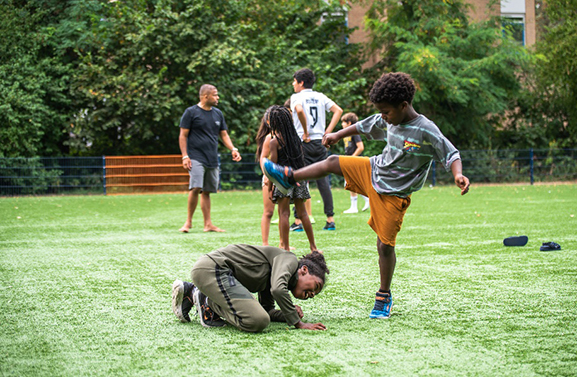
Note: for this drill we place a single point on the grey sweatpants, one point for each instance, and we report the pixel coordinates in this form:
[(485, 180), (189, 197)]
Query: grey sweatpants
[(228, 297)]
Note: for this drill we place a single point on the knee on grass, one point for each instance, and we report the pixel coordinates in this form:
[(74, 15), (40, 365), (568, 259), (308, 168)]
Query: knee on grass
[(255, 323)]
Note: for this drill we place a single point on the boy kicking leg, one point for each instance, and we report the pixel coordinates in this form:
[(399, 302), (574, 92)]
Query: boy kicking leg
[(388, 180)]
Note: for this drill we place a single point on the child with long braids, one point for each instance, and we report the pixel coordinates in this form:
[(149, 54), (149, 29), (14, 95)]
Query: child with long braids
[(263, 138), (286, 149)]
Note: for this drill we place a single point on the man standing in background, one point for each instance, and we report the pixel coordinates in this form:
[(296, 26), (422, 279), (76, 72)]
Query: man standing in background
[(200, 127), (309, 110)]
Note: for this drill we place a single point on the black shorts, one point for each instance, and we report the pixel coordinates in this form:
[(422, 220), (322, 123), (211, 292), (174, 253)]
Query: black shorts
[(314, 151)]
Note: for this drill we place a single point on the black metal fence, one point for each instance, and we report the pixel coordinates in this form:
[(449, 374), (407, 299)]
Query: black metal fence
[(87, 175), (512, 166), (51, 175)]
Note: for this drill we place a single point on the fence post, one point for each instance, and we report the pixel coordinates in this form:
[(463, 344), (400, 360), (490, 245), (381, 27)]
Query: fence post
[(531, 165), (104, 174), (434, 176)]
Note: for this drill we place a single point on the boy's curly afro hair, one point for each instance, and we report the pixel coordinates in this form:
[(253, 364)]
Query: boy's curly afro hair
[(393, 88)]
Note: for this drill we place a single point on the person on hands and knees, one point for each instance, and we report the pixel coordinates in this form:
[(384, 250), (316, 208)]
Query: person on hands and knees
[(223, 283)]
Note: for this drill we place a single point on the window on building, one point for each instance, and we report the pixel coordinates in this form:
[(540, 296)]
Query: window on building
[(516, 26)]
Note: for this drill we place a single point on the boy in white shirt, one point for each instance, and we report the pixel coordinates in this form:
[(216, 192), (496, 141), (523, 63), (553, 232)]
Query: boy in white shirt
[(309, 110)]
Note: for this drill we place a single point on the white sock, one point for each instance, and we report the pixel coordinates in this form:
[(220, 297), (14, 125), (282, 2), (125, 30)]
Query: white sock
[(353, 202), (366, 198)]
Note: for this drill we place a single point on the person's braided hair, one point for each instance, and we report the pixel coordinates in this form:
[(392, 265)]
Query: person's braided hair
[(316, 264), (262, 133), (393, 88), (281, 123)]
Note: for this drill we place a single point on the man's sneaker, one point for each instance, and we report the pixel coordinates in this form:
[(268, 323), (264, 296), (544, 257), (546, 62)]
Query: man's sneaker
[(351, 210), (330, 226), (278, 174), (182, 299), (383, 304), (297, 227), (275, 221), (208, 318), (367, 206), (312, 219)]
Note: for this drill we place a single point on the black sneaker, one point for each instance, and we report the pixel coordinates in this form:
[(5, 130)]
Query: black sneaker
[(182, 299), (208, 318), (330, 226), (297, 227)]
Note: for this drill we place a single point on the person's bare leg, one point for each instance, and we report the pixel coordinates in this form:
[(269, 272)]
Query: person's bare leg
[(387, 262), (192, 202), (268, 210), (283, 222), (309, 208), (205, 207), (319, 169), (301, 210)]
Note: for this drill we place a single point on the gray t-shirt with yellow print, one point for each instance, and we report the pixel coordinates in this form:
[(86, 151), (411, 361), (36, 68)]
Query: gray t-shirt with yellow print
[(403, 166)]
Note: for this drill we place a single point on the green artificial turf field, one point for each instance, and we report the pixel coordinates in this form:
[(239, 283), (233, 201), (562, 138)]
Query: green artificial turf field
[(85, 287)]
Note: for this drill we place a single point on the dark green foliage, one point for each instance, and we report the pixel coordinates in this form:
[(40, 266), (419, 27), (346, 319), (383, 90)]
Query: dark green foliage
[(546, 111), (34, 98), (465, 72), (149, 58), (92, 77)]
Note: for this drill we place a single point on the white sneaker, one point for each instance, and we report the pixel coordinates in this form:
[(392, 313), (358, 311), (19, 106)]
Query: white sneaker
[(351, 210), (312, 219), (274, 221), (367, 206)]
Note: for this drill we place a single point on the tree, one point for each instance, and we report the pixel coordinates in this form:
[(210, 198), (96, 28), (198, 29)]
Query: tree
[(547, 111), (465, 72), (149, 58), (34, 101), (95, 77)]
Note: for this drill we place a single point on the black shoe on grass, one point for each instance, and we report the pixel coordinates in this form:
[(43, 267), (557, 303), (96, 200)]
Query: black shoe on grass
[(182, 299), (208, 318), (297, 227), (330, 226)]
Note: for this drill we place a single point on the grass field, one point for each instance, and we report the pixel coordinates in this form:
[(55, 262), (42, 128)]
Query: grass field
[(85, 289)]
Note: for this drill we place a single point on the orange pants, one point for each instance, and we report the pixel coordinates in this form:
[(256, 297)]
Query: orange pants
[(387, 211)]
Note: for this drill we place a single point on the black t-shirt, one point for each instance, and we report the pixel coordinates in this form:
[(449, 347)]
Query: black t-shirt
[(351, 145), (204, 129)]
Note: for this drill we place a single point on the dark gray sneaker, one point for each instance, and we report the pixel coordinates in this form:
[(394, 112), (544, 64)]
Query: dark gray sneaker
[(182, 299), (208, 318), (297, 227), (330, 226)]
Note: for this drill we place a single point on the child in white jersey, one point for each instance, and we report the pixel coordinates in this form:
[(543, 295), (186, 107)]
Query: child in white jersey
[(388, 179)]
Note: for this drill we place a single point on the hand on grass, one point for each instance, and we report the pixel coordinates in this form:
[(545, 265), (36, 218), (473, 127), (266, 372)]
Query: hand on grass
[(310, 326)]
